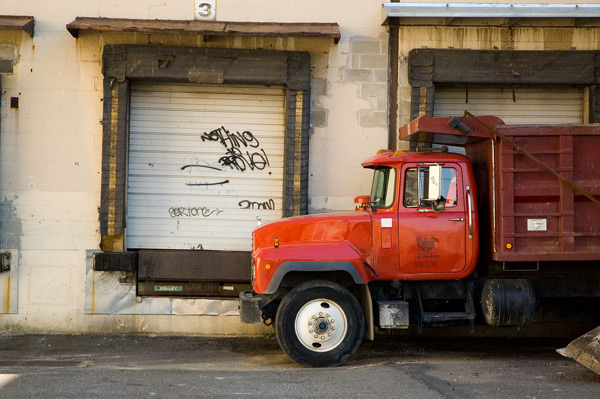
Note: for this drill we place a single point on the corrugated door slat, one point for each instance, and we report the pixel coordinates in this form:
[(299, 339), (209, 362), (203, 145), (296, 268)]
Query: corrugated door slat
[(519, 105), (189, 188)]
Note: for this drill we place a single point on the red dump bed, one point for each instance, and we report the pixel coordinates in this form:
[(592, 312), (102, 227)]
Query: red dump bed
[(526, 213)]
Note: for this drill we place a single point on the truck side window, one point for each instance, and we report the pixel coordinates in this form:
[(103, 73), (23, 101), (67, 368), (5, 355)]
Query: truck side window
[(449, 190), (413, 191), (384, 183)]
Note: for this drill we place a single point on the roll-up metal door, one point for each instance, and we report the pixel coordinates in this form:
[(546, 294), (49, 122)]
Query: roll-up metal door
[(530, 105), (204, 162)]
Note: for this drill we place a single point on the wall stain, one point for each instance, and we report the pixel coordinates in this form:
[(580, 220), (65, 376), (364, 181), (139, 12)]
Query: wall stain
[(93, 300), (6, 308)]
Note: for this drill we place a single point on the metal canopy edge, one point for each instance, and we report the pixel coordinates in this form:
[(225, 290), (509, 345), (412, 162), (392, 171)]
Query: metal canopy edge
[(206, 28), (477, 14), (479, 10), (17, 22)]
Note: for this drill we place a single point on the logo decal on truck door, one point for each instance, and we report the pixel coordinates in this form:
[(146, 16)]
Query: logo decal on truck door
[(427, 243)]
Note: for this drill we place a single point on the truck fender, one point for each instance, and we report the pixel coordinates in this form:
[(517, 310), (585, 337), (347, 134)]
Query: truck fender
[(312, 266)]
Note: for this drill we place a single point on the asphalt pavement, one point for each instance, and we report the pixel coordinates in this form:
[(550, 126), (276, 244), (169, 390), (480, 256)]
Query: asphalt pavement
[(93, 366)]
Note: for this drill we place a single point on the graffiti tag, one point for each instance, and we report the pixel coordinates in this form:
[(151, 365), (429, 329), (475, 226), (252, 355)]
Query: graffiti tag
[(198, 211), (247, 204), (231, 140)]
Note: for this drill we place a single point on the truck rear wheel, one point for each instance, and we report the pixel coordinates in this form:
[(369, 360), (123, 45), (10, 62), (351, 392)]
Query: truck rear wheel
[(319, 324)]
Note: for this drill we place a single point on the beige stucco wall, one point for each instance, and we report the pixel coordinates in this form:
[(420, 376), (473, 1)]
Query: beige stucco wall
[(50, 148)]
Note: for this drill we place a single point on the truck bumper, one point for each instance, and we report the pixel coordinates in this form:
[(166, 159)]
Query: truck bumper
[(250, 307)]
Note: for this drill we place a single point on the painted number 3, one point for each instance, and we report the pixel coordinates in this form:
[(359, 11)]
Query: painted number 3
[(204, 9)]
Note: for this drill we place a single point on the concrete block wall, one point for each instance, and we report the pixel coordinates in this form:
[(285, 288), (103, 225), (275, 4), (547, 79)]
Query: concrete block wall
[(336, 181), (369, 68), (50, 147), (484, 38)]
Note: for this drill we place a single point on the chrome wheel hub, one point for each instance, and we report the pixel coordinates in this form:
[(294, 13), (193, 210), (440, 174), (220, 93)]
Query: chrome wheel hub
[(321, 325)]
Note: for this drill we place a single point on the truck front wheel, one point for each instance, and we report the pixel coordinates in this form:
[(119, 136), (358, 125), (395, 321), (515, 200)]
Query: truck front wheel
[(319, 324)]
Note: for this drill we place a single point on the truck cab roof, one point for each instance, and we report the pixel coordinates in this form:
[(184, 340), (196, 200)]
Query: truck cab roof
[(389, 158)]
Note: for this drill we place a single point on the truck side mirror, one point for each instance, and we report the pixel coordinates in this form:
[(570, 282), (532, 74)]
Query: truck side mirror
[(362, 202), (437, 205)]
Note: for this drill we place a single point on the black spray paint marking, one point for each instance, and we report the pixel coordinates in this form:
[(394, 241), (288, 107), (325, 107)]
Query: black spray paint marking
[(231, 140), (201, 166), (247, 204), (208, 184), (235, 159), (194, 212)]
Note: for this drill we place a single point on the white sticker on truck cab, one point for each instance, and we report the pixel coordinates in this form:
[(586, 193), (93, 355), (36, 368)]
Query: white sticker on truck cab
[(536, 225), (386, 222)]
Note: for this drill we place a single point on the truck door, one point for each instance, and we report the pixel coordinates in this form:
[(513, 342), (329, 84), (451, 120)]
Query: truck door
[(432, 237), (385, 222)]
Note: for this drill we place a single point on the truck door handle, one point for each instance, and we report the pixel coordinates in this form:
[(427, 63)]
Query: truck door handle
[(470, 210), (457, 219)]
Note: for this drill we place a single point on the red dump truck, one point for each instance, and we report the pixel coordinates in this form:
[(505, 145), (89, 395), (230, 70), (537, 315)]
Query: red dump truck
[(443, 238)]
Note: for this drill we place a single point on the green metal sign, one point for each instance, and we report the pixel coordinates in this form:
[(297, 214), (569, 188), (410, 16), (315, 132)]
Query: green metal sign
[(171, 288)]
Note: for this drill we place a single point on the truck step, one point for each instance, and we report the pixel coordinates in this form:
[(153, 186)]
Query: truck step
[(435, 317), (429, 317)]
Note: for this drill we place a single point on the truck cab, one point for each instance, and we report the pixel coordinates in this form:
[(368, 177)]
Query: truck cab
[(423, 217), (419, 223)]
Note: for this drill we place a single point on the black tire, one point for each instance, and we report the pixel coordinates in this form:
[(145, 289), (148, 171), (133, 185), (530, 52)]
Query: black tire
[(336, 340)]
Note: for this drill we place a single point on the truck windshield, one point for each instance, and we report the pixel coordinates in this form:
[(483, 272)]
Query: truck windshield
[(384, 184)]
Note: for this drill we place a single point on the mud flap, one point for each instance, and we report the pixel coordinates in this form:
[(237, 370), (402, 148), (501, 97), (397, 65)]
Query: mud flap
[(585, 350)]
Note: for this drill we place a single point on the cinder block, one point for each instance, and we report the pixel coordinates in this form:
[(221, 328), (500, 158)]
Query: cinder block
[(319, 118), (62, 68), (12, 242), (71, 258), (380, 76), (372, 119), (87, 242), (372, 101), (32, 242), (384, 45), (373, 61), (59, 242), (33, 227), (39, 257), (90, 49), (50, 286), (359, 75), (364, 46), (552, 35), (318, 87), (4, 212), (8, 52), (557, 46), (373, 90)]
